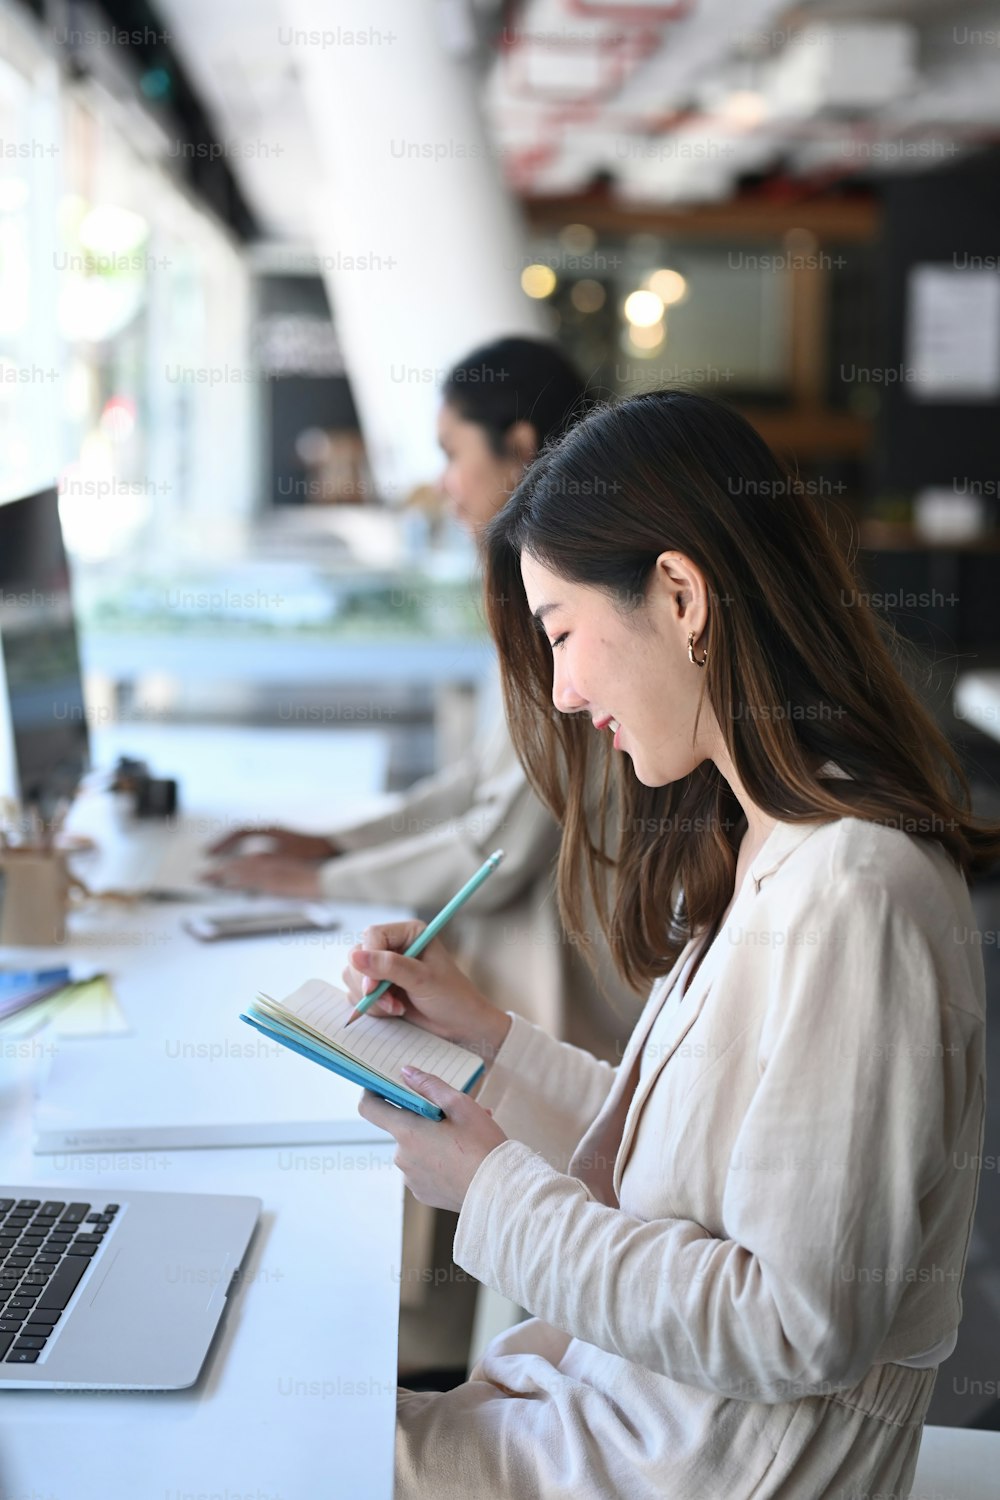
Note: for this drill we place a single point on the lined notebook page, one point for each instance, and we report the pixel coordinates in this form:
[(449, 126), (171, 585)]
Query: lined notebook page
[(382, 1043)]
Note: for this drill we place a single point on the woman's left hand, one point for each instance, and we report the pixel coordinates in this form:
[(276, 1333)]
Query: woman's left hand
[(438, 1158), (271, 874)]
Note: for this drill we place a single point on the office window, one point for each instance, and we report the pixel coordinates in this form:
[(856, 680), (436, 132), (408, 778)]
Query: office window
[(30, 372)]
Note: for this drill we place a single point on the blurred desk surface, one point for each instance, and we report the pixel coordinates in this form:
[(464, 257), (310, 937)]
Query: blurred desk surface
[(297, 1398), (313, 777)]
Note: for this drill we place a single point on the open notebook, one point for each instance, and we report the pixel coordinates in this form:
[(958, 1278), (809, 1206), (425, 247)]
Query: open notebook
[(313, 1021)]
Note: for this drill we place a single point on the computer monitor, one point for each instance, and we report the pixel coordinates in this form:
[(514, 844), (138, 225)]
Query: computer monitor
[(41, 658)]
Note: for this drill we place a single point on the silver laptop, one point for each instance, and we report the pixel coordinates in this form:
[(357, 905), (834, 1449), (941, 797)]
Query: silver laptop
[(114, 1291)]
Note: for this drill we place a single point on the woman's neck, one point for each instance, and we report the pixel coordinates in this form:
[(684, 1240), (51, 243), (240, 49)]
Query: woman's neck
[(759, 822)]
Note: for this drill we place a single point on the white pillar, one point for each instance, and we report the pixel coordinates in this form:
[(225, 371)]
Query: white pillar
[(413, 183)]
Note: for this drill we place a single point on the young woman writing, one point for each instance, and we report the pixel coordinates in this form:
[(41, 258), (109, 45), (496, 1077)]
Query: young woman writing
[(743, 1247)]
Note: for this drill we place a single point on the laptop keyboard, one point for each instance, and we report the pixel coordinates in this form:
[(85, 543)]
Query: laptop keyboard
[(45, 1252)]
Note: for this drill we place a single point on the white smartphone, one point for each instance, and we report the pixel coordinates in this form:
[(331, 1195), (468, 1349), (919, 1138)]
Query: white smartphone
[(233, 924)]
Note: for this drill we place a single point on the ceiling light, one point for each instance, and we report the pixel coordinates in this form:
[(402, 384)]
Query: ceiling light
[(588, 296), (643, 309), (744, 107), (109, 230), (538, 281), (669, 286), (577, 238), (646, 341)]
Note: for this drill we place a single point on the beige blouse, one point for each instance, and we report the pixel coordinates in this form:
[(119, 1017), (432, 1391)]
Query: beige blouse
[(734, 1247)]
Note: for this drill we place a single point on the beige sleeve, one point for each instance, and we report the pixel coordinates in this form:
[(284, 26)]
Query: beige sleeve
[(420, 854), (432, 800), (846, 1132), (544, 1092)]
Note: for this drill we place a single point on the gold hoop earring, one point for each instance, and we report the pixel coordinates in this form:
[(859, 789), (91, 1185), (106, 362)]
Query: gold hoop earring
[(691, 655)]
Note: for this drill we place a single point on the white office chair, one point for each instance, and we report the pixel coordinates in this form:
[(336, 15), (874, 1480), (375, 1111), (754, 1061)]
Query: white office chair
[(957, 1463)]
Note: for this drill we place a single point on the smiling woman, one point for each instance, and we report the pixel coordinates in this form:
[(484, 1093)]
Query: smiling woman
[(794, 840), (685, 541)]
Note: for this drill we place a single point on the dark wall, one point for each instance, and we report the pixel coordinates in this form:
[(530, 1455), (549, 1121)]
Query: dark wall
[(945, 216), (310, 393)]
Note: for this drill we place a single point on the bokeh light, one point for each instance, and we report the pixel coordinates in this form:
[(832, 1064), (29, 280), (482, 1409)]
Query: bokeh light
[(538, 281), (670, 286), (588, 296), (643, 308)]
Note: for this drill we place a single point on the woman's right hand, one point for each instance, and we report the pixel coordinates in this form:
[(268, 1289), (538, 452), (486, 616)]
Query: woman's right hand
[(430, 991), (282, 841)]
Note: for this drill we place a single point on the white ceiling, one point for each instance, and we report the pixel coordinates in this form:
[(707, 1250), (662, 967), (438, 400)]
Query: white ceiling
[(674, 111), (246, 80)]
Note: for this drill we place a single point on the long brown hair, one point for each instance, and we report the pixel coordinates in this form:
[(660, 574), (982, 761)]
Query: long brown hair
[(800, 670)]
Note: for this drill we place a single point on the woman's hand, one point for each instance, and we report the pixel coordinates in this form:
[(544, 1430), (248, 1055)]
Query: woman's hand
[(438, 1158), (431, 991), (272, 874), (286, 867), (280, 841)]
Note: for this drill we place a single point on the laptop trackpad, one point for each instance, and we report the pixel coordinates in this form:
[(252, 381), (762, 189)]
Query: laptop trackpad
[(146, 1312)]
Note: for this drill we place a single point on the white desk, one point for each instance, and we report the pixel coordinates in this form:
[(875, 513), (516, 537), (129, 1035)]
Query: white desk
[(297, 1398), (308, 778), (179, 994)]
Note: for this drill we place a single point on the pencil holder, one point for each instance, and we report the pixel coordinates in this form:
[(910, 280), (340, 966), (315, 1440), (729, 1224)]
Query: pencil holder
[(34, 892)]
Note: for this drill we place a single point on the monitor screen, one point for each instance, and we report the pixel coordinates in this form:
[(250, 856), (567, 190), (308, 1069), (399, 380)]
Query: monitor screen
[(40, 653)]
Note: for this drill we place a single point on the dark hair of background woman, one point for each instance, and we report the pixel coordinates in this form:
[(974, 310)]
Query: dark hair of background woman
[(800, 669), (516, 380)]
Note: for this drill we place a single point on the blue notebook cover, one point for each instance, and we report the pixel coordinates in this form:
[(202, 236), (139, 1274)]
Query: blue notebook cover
[(349, 1068)]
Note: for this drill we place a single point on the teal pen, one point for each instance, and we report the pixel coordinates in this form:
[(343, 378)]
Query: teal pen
[(433, 927)]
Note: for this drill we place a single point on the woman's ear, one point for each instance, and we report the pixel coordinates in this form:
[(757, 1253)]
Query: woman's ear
[(522, 443), (683, 583)]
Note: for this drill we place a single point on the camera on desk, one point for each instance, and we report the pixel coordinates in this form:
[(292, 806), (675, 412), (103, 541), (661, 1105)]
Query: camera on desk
[(152, 796)]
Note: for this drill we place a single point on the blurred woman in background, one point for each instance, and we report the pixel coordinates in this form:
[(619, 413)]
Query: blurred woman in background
[(500, 406)]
